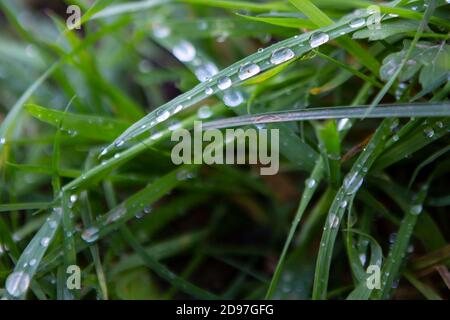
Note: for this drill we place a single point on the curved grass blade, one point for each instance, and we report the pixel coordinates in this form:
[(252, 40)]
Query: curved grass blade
[(350, 112), (352, 183)]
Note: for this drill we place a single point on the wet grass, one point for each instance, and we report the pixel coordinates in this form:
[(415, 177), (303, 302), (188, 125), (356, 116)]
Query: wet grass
[(360, 99)]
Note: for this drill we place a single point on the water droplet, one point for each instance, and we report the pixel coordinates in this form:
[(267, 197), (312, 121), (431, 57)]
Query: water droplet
[(206, 71), (395, 137), (362, 258), (281, 55), (148, 209), (156, 135), (343, 204), (17, 283), (90, 234), (224, 83), (178, 108), (73, 198), (45, 241), (233, 98), (357, 23), (209, 91), (392, 238), (32, 262), (333, 221), (118, 144), (160, 31), (204, 112), (184, 51), (117, 156), (162, 116), (353, 182), (184, 175), (393, 15), (318, 39), (53, 224), (439, 124), (310, 183), (248, 70), (2, 141), (344, 124), (429, 132), (416, 209)]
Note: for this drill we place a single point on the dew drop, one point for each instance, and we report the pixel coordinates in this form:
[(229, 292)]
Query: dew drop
[(310, 183), (416, 209), (333, 221), (248, 70), (32, 262), (45, 241), (206, 71), (209, 91), (392, 238), (233, 98), (184, 175), (162, 116), (429, 132), (439, 124), (224, 83), (352, 182), (343, 204), (17, 283), (117, 156), (204, 112), (90, 234), (160, 31), (184, 51), (281, 55), (362, 258), (2, 141), (318, 39), (118, 144), (357, 23), (178, 108), (344, 124), (53, 224)]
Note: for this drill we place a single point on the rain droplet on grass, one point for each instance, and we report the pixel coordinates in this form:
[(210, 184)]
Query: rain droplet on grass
[(209, 91), (357, 23), (233, 98), (90, 234), (416, 209), (32, 262), (184, 51), (178, 108), (45, 241), (310, 183), (118, 144), (17, 283), (206, 71), (333, 221), (162, 116), (2, 140), (248, 70), (429, 132), (224, 83), (318, 39), (352, 182), (53, 224), (160, 31), (204, 112), (281, 55)]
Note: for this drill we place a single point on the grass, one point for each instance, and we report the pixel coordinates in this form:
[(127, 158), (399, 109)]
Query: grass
[(86, 176)]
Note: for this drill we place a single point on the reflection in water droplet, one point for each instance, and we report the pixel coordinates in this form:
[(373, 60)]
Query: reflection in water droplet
[(318, 39), (224, 83), (233, 98), (204, 112), (17, 283), (90, 234), (281, 55), (45, 241), (184, 51), (357, 23), (206, 71), (248, 70)]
